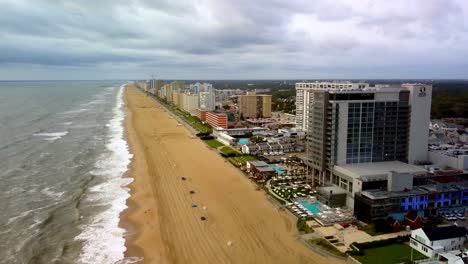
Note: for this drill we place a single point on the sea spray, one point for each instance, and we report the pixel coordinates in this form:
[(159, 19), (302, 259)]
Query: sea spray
[(103, 238)]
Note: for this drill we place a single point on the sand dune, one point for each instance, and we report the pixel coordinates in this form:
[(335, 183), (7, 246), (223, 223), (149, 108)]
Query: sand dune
[(165, 228)]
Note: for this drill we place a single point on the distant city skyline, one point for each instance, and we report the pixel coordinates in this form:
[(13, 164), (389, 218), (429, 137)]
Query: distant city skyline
[(233, 39)]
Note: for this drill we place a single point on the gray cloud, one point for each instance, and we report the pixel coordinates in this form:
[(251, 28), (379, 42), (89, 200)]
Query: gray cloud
[(233, 39)]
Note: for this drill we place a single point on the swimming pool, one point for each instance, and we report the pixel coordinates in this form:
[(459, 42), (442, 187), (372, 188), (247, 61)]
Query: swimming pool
[(312, 207), (278, 170), (244, 141)]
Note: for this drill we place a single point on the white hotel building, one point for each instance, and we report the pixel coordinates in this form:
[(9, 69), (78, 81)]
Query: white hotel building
[(304, 98)]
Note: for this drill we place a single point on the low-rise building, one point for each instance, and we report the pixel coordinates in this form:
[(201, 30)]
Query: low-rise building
[(201, 114), (215, 119), (454, 158), (270, 148), (433, 241), (428, 194), (260, 169)]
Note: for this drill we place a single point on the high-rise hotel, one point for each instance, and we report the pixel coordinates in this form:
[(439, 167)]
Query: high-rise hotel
[(355, 130)]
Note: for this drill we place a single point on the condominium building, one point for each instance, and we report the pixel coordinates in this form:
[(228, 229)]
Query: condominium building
[(254, 105), (155, 85), (196, 88), (178, 85), (224, 94), (207, 100), (190, 103)]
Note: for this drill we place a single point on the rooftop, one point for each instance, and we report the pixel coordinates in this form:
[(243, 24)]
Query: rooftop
[(445, 232), (258, 163), (373, 169), (333, 189)]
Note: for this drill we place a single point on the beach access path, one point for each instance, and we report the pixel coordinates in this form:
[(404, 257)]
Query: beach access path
[(241, 225)]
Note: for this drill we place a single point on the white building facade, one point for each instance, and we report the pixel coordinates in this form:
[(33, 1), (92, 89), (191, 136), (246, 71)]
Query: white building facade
[(431, 242), (207, 101), (304, 98)]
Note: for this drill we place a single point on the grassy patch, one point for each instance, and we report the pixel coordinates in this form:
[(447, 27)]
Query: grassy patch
[(227, 150), (197, 124), (302, 226), (193, 121), (394, 253), (241, 160), (325, 245), (214, 143)]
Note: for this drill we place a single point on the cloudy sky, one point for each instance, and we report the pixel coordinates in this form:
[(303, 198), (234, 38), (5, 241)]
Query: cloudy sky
[(233, 39)]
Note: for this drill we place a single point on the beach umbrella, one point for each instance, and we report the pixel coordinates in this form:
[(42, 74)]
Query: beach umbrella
[(194, 205), (183, 178)]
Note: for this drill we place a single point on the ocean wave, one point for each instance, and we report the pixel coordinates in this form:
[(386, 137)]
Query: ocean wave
[(47, 191), (77, 111), (51, 136), (103, 240), (94, 102), (26, 213)]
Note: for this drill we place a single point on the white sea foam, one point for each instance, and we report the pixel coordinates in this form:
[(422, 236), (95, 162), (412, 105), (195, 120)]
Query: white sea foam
[(51, 136), (103, 238), (77, 111), (67, 123), (93, 102), (47, 191)]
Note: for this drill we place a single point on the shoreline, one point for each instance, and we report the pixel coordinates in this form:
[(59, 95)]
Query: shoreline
[(131, 217), (242, 225)]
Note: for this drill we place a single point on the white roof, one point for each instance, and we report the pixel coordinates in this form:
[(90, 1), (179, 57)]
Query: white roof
[(357, 170)]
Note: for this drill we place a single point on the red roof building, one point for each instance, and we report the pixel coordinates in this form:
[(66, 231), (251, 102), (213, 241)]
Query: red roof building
[(201, 114), (217, 119)]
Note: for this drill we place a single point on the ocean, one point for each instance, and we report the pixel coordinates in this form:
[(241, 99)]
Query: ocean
[(63, 159)]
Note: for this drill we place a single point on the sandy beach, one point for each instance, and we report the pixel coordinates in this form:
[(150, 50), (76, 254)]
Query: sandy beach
[(165, 228)]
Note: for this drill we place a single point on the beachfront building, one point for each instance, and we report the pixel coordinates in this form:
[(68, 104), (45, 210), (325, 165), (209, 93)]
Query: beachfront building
[(304, 97), (168, 92), (224, 94), (260, 169), (175, 97), (226, 136), (143, 85), (270, 148), (207, 101), (216, 119), (189, 103), (433, 241), (196, 88), (155, 85), (178, 85), (370, 124), (254, 105), (201, 114)]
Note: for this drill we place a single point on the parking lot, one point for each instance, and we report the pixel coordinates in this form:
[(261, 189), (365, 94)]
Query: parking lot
[(457, 216)]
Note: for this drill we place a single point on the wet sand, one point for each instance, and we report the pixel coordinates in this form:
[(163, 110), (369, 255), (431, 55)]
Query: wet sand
[(165, 228)]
